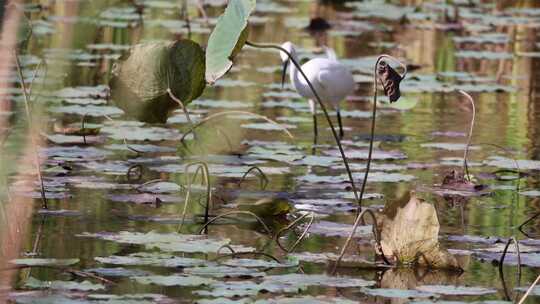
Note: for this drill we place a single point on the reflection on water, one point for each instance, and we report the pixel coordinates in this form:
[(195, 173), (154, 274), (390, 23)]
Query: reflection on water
[(489, 50)]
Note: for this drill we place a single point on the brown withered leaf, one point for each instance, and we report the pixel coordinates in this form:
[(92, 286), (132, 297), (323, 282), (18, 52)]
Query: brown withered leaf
[(389, 80), (410, 234)]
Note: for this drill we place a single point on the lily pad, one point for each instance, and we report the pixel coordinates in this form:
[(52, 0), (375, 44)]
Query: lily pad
[(224, 272), (173, 280), (45, 262), (151, 259), (63, 285), (397, 293), (171, 242), (451, 290)]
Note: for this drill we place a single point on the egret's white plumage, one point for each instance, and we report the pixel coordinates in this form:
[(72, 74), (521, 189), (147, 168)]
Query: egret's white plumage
[(331, 79)]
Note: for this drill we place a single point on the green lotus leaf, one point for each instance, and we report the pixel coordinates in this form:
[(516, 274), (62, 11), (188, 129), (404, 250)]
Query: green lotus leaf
[(227, 38), (140, 82)]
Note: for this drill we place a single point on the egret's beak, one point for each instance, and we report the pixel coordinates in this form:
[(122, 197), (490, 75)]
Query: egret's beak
[(284, 72)]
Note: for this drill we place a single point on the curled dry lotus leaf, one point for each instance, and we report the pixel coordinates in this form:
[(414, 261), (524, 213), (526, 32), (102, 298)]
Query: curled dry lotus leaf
[(389, 80), (140, 82), (410, 234)]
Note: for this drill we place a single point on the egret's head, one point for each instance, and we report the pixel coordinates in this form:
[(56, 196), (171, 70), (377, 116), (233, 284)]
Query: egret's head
[(289, 47)]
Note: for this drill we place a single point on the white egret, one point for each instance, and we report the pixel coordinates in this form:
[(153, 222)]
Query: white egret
[(331, 79)]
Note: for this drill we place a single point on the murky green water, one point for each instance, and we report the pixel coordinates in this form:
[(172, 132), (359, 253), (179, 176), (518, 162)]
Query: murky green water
[(113, 215)]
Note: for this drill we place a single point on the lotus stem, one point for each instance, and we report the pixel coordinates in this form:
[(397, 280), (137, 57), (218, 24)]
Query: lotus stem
[(236, 212), (501, 261), (368, 164), (182, 106), (323, 107), (376, 235), (208, 118), (262, 177), (206, 177), (234, 254), (31, 129), (522, 300), (290, 226), (469, 137), (528, 221)]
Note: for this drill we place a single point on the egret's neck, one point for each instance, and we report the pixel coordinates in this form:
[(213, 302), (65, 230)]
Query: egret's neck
[(294, 73)]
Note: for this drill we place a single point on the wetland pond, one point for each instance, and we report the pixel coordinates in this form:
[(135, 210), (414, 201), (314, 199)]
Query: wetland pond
[(118, 227)]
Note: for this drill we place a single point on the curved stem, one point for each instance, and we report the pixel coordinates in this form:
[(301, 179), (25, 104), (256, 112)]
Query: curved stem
[(336, 137), (501, 261), (373, 118), (206, 177), (291, 225), (234, 254), (505, 150), (520, 227), (208, 118), (466, 153), (236, 212), (375, 230), (262, 177), (368, 164)]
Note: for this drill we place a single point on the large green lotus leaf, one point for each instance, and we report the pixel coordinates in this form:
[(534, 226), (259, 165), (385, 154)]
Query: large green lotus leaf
[(227, 38), (140, 82)]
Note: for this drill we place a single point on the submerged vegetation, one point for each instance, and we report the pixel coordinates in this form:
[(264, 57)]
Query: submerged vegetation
[(160, 177)]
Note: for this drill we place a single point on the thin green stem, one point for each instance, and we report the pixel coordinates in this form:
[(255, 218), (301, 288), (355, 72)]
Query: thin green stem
[(206, 177), (208, 118), (292, 225), (469, 137), (323, 107), (31, 130), (262, 177), (236, 212)]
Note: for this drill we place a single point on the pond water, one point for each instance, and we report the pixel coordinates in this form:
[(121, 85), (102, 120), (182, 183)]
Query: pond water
[(112, 232)]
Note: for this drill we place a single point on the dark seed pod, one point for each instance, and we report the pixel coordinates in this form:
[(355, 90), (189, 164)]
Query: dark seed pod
[(389, 80)]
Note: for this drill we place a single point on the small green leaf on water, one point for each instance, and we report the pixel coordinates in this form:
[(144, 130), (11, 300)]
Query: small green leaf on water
[(227, 38)]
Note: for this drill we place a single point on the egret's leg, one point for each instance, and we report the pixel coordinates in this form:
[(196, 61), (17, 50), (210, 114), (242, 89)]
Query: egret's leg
[(313, 108), (340, 124)]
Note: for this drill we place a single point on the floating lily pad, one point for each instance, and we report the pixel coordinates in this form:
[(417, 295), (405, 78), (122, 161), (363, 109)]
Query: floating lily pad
[(254, 263), (151, 259), (45, 262), (118, 272), (224, 272), (160, 187), (452, 290), (63, 285), (448, 146), (172, 242), (173, 280), (330, 229), (397, 293)]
